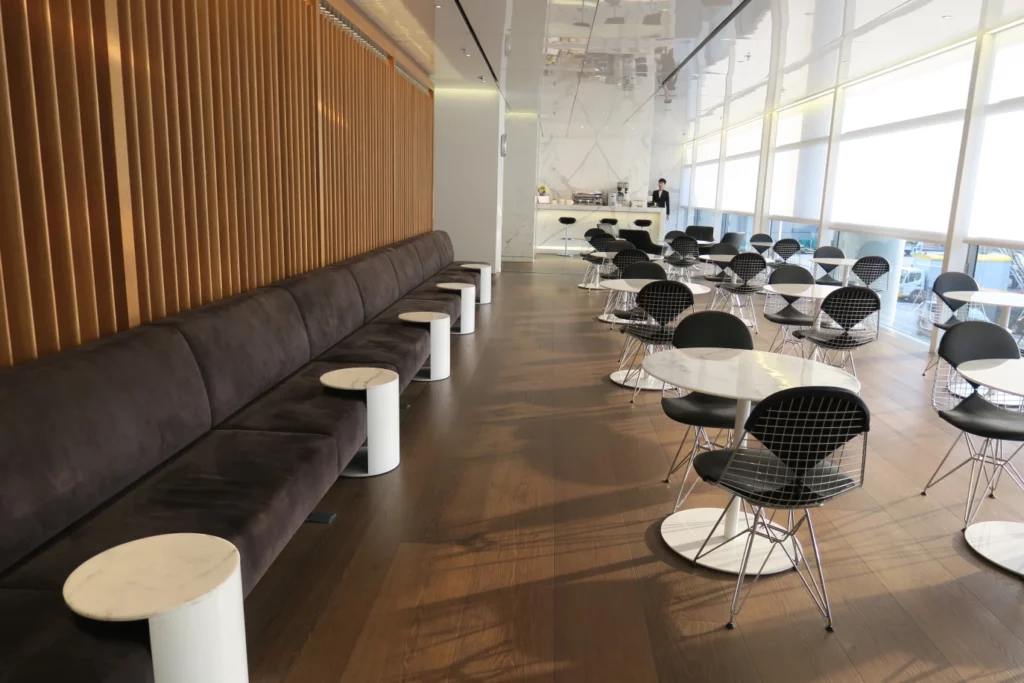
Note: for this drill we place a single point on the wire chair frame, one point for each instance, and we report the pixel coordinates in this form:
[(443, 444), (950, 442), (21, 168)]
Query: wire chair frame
[(827, 269), (849, 319), (617, 300), (685, 257), (804, 447), (788, 312), (592, 275), (944, 312), (745, 276), (672, 234), (621, 306), (871, 272), (952, 391), (662, 304), (715, 271), (761, 242), (786, 249)]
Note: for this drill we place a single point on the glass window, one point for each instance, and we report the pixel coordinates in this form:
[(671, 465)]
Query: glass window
[(703, 217), (801, 145), (743, 159), (804, 233), (733, 222), (1003, 269), (705, 173)]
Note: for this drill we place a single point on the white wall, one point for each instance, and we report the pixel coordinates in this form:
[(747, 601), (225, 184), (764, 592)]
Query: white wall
[(520, 187), (467, 171)]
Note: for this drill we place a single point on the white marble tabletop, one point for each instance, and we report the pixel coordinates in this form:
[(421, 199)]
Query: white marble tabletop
[(1000, 374), (421, 316), (150, 576), (825, 261), (355, 379), (613, 254), (988, 297), (475, 266), (718, 258), (744, 375), (633, 286), (700, 243), (802, 291), (454, 285)]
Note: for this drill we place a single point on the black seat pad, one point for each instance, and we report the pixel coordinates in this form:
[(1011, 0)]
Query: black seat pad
[(977, 416), (789, 316), (701, 410), (781, 489)]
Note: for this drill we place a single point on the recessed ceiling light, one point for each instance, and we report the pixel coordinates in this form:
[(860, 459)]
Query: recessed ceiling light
[(947, 16), (437, 6)]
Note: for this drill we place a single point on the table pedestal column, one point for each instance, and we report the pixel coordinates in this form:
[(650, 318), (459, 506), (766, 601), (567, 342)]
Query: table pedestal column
[(485, 285), (203, 642), (467, 317), (440, 348)]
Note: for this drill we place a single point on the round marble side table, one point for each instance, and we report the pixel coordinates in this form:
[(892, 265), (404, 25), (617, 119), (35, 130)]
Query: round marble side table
[(467, 317), (189, 588), (383, 448), (485, 280), (440, 343)]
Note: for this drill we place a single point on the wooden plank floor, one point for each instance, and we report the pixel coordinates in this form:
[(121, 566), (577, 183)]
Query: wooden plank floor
[(519, 538)]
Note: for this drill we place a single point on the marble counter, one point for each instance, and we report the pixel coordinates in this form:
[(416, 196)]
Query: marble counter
[(550, 231)]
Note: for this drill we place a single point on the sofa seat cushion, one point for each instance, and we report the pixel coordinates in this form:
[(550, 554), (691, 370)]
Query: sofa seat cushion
[(252, 488), (438, 302), (301, 405), (41, 639), (403, 347)]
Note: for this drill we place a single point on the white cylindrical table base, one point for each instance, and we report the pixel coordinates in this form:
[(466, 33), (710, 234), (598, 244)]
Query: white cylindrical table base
[(636, 379), (485, 280), (440, 344), (467, 315), (383, 447), (189, 587)]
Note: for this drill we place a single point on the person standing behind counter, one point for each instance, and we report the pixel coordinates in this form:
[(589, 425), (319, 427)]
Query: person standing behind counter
[(660, 198)]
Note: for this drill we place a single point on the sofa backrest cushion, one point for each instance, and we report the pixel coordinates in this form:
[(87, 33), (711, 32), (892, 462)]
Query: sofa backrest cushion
[(329, 302), (244, 345), (429, 258), (406, 262), (444, 247), (78, 427), (378, 284)]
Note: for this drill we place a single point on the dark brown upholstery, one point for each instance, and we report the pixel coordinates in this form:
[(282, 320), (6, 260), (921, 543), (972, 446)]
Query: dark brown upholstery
[(443, 302), (377, 282), (244, 345), (330, 305), (78, 427), (406, 262), (429, 258)]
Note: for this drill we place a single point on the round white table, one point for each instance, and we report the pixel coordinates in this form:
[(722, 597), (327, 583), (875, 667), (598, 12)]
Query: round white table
[(633, 286), (383, 448), (189, 588), (801, 291), (440, 343), (718, 258), (1001, 543), (1004, 301), (467, 313), (844, 263), (485, 280), (745, 376)]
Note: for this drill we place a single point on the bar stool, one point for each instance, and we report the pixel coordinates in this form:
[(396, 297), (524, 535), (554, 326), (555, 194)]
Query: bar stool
[(642, 223), (566, 221)]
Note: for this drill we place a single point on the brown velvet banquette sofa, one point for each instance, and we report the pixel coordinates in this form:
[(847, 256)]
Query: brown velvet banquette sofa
[(212, 421)]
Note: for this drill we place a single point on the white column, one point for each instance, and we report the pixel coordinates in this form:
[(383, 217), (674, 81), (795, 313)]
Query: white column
[(440, 348), (382, 428), (203, 642)]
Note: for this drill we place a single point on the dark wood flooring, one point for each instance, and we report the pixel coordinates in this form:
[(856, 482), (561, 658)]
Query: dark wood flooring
[(519, 538)]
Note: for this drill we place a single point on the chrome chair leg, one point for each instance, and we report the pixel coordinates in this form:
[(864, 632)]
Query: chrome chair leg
[(932, 481)]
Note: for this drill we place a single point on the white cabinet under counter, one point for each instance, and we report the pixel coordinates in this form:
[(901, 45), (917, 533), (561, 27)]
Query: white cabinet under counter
[(549, 232)]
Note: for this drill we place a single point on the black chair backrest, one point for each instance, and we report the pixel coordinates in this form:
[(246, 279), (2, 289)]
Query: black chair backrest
[(786, 248), (703, 233), (600, 242), (850, 306), (618, 245), (734, 238), (642, 223), (672, 234), (829, 252), (609, 221), (595, 231), (712, 329), (761, 242), (870, 269), (644, 270), (628, 257), (802, 427), (953, 282), (641, 239), (748, 266), (977, 340), (724, 248), (664, 301), (791, 275), (684, 245), (566, 220)]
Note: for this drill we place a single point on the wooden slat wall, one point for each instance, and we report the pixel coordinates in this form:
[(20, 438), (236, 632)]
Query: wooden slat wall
[(156, 155)]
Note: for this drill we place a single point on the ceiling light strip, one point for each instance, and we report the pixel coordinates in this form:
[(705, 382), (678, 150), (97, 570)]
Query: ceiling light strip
[(583, 64), (412, 79), (339, 20)]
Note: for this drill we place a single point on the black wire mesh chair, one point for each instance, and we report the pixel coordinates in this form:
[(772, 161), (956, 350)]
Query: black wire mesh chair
[(828, 252), (788, 312), (848, 320), (626, 309), (684, 258), (871, 272), (662, 304), (595, 231), (621, 300), (592, 275), (641, 239), (980, 413), (746, 276), (714, 271), (945, 313), (761, 242), (736, 239), (701, 412), (805, 447), (671, 235), (784, 250)]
